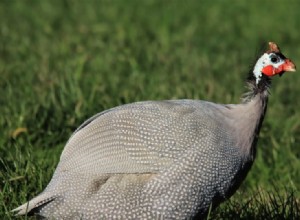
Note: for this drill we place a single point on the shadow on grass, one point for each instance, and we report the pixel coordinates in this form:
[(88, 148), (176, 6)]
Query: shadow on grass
[(263, 205)]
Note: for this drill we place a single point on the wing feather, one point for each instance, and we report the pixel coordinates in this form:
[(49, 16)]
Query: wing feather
[(142, 137)]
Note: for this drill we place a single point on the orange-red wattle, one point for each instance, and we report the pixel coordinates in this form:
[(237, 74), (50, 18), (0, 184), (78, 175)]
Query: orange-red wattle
[(271, 70), (268, 70)]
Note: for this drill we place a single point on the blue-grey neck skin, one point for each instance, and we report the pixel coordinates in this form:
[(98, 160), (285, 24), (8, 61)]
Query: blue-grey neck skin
[(254, 103)]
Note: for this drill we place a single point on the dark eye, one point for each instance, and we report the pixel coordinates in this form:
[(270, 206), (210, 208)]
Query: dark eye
[(274, 59)]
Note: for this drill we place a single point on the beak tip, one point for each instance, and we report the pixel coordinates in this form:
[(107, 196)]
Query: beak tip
[(292, 69), (289, 66)]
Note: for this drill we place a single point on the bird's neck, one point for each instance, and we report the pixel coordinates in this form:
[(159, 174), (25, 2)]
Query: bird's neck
[(258, 85), (251, 114)]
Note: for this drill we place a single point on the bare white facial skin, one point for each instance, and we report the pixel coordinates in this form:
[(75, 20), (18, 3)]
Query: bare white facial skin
[(265, 60)]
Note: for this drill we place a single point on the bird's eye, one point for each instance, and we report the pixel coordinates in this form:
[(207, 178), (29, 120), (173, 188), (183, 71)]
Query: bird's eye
[(274, 59)]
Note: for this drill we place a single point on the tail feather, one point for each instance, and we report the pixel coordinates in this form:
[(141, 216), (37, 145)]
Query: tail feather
[(35, 204)]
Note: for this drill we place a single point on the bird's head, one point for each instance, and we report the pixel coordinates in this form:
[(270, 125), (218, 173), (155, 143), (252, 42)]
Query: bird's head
[(272, 63)]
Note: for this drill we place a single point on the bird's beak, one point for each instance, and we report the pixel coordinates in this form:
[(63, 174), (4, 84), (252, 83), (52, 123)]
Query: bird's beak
[(288, 66)]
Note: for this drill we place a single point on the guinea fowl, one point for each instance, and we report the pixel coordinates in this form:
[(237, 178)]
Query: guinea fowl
[(171, 159)]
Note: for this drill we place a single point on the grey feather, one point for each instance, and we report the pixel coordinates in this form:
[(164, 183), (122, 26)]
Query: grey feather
[(147, 160)]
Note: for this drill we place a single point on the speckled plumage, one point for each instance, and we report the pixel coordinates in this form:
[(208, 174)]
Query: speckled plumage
[(153, 160), (145, 160)]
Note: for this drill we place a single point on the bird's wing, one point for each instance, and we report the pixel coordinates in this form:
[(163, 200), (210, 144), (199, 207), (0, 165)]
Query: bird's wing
[(137, 138)]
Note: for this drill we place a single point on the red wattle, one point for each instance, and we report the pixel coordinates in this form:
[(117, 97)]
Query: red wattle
[(271, 71), (268, 70)]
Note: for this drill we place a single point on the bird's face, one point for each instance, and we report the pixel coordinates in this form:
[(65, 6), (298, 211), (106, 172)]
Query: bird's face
[(272, 62), (275, 63)]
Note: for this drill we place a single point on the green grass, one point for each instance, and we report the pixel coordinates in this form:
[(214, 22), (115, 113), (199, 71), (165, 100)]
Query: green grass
[(63, 61)]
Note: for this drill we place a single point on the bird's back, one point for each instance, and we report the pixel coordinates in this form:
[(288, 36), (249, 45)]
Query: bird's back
[(140, 137)]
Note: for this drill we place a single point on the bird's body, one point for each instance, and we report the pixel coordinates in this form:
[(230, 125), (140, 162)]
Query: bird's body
[(154, 160)]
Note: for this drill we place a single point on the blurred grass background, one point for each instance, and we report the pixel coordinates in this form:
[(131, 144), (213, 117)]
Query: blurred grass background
[(62, 61)]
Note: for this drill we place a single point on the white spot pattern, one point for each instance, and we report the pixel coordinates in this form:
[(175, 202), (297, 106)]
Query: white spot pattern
[(147, 160)]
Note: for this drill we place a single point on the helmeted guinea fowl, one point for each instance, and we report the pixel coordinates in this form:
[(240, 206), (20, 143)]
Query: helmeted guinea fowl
[(160, 159)]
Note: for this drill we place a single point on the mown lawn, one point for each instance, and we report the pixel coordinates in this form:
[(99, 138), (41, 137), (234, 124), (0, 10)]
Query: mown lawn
[(63, 61)]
